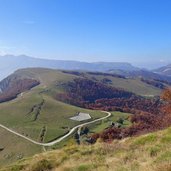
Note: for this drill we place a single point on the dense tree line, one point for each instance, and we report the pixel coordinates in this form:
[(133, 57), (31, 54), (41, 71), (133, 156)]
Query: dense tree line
[(96, 95), (163, 81), (81, 92), (134, 104), (154, 83), (107, 74), (149, 113), (77, 73), (142, 122)]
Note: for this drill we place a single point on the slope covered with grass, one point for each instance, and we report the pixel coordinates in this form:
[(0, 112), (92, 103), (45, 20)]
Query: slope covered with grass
[(150, 152), (34, 111), (13, 148), (134, 85), (52, 77), (38, 115), (54, 115)]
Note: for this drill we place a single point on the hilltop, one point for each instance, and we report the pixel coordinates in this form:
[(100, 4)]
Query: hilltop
[(132, 84)]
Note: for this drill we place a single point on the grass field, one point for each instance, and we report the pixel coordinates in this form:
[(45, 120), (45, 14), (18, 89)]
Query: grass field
[(15, 148), (101, 125), (133, 85), (25, 149), (49, 77), (150, 152), (54, 115), (33, 110), (28, 116)]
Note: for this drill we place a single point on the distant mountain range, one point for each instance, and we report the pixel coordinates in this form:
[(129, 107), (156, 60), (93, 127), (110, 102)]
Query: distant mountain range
[(142, 73), (10, 63), (166, 70)]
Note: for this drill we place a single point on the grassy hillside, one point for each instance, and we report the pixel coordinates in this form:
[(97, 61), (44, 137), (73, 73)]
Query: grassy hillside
[(14, 148), (101, 125), (134, 85), (54, 115), (35, 110), (149, 152), (53, 77)]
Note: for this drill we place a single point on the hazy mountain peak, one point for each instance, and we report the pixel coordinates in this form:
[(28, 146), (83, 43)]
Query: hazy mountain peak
[(10, 63), (165, 70)]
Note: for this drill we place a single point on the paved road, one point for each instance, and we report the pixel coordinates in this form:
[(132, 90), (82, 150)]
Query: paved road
[(59, 139)]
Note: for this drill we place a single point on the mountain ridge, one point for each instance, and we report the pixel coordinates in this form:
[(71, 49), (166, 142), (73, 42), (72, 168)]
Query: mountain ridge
[(165, 70), (10, 63)]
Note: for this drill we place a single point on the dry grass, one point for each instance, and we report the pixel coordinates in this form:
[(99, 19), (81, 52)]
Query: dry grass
[(151, 152)]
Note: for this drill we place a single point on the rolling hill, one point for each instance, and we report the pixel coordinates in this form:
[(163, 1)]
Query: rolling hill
[(146, 74), (32, 111), (50, 77), (37, 113)]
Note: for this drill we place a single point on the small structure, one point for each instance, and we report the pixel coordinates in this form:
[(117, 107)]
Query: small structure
[(81, 117)]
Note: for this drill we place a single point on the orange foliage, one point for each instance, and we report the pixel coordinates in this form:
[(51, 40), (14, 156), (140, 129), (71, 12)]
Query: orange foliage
[(143, 122), (166, 95)]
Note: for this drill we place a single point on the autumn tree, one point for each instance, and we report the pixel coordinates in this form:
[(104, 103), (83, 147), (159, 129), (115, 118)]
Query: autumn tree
[(166, 96)]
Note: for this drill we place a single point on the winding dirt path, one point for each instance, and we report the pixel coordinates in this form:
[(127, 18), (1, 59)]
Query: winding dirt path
[(59, 139)]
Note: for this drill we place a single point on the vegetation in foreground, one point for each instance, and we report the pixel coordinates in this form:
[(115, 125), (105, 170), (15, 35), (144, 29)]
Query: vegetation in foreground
[(13, 148), (150, 152)]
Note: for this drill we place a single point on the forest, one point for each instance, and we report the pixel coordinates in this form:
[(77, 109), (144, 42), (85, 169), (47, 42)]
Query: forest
[(142, 122), (97, 95), (149, 114)]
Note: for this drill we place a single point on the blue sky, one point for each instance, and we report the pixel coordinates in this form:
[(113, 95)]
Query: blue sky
[(136, 31)]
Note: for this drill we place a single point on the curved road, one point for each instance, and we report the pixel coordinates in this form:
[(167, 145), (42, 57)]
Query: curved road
[(59, 139)]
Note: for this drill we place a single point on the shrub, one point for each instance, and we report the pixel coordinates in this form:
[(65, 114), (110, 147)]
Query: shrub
[(43, 165), (154, 151)]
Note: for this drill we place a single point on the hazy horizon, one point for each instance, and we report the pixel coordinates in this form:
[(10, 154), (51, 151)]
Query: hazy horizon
[(144, 65)]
